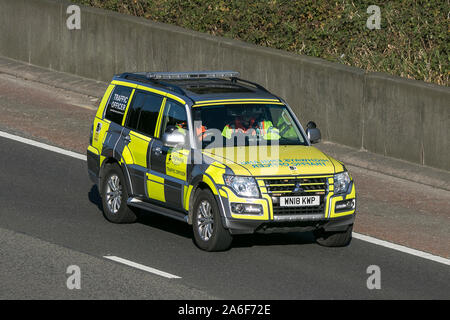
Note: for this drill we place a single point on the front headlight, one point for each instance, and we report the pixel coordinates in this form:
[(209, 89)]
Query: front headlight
[(341, 182), (243, 186)]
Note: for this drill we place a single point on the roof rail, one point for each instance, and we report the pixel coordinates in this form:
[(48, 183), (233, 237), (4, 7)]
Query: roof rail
[(192, 75), (156, 77), (142, 77), (260, 87), (139, 76)]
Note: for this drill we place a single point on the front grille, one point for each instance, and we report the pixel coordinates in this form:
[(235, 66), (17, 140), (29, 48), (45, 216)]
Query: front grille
[(297, 185)]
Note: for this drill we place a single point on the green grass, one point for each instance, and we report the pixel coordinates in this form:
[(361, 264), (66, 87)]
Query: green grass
[(413, 42)]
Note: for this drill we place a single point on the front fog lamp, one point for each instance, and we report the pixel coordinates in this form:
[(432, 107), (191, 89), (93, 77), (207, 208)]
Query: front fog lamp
[(345, 205), (341, 182), (243, 186), (246, 208)]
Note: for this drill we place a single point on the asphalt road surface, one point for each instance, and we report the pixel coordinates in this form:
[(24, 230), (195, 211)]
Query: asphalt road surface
[(50, 219)]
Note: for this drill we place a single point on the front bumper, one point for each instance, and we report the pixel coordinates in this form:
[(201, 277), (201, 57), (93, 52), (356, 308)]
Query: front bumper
[(239, 226), (329, 219)]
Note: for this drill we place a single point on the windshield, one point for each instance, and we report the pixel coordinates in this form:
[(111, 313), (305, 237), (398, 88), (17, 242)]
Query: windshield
[(231, 125)]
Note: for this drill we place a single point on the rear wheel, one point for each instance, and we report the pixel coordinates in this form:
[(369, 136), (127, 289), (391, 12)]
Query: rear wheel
[(334, 239), (209, 233), (115, 196)]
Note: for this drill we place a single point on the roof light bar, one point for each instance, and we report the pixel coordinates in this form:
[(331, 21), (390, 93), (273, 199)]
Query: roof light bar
[(192, 75)]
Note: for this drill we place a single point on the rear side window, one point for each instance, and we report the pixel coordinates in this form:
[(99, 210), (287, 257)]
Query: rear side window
[(117, 104), (143, 113)]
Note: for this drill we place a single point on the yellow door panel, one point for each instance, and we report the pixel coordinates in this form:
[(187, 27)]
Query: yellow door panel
[(155, 187), (176, 163), (138, 146)]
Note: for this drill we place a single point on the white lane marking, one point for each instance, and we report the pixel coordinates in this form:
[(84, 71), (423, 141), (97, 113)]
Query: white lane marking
[(142, 267), (362, 237), (404, 249), (43, 146)]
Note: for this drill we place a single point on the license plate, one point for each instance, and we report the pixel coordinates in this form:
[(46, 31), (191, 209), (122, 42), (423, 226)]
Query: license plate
[(299, 201)]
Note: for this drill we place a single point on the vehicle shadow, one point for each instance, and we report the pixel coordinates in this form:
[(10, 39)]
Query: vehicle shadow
[(155, 220), (94, 197), (150, 219), (273, 239)]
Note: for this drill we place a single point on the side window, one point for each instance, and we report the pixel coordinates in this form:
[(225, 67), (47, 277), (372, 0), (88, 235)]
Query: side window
[(174, 118), (143, 113), (117, 104), (135, 110)]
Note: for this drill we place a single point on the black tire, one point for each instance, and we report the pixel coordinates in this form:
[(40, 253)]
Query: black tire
[(334, 239), (124, 214), (220, 238)]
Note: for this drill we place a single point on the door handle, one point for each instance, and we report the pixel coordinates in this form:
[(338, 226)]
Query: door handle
[(158, 150), (127, 139)]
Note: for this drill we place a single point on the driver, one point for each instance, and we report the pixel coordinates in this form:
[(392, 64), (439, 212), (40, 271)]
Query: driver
[(253, 123), (242, 123)]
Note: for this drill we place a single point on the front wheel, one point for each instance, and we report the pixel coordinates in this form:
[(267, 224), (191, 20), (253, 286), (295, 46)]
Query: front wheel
[(334, 239), (209, 233)]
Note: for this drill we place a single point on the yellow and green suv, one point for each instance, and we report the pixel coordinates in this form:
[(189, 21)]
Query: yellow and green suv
[(218, 152)]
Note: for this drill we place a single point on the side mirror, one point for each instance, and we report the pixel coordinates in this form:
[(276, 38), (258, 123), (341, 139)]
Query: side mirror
[(174, 139), (311, 125), (313, 132)]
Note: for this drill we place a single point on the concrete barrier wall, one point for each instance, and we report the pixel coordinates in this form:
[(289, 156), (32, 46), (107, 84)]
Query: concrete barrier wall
[(388, 115)]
